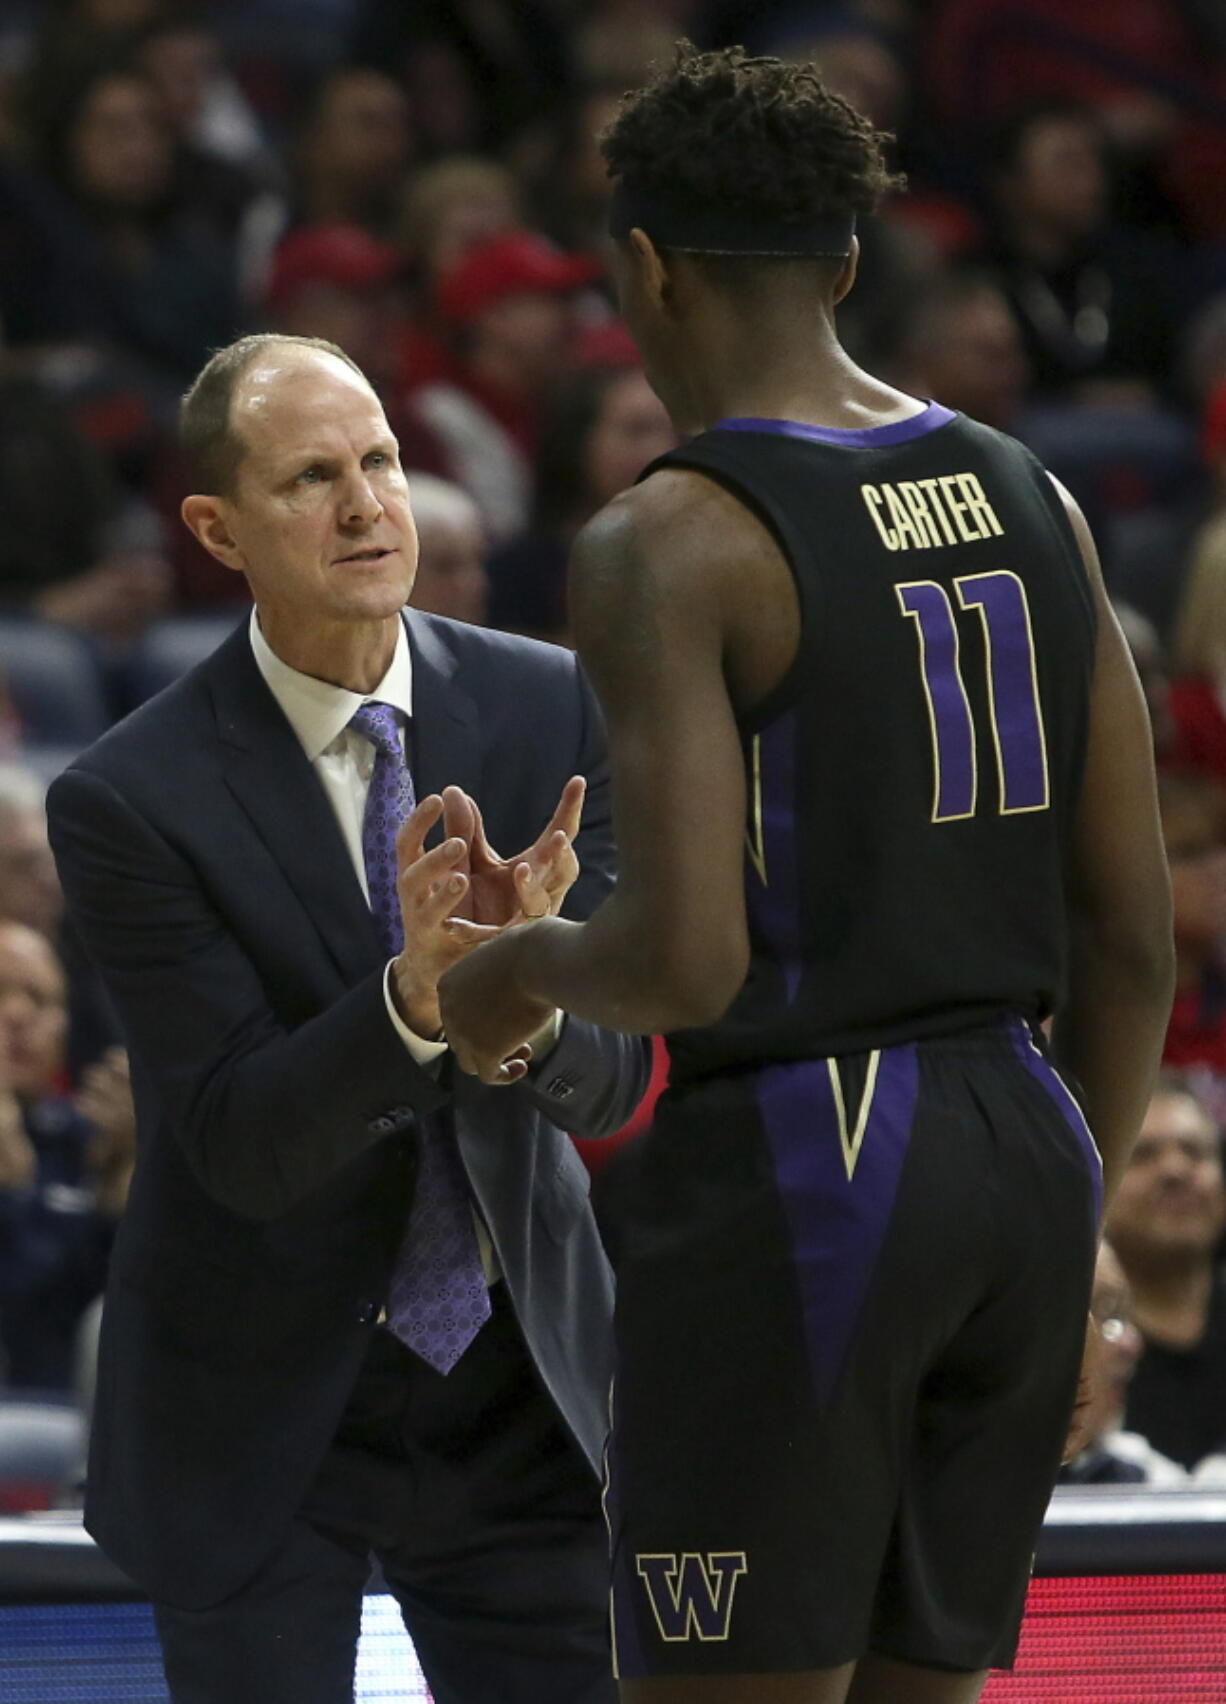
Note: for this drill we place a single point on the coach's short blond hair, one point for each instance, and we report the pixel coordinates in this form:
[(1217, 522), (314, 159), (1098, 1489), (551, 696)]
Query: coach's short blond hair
[(213, 448)]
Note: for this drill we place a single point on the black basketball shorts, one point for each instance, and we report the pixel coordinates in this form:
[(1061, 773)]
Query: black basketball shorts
[(850, 1319)]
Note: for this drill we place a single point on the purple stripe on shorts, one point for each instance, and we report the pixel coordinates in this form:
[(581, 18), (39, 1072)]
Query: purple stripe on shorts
[(929, 419), (1044, 1073), (837, 1223), (774, 905)]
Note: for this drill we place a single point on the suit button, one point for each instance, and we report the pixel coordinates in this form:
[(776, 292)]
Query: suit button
[(367, 1313), (381, 1126)]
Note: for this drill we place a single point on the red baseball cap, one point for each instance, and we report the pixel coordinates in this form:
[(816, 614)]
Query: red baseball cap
[(516, 263), (344, 255)]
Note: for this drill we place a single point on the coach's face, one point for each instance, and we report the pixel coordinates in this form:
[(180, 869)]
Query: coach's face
[(319, 517)]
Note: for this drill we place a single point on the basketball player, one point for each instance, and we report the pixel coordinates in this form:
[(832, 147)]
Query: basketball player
[(884, 800)]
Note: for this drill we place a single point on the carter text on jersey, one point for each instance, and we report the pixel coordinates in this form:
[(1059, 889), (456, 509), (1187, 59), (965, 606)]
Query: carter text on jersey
[(922, 514)]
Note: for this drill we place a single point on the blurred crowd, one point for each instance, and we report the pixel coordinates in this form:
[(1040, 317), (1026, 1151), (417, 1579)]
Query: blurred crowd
[(421, 183)]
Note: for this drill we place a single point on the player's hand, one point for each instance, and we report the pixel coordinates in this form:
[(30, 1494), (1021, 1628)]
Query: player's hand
[(487, 1020), (532, 884), (433, 889), (1087, 1384)]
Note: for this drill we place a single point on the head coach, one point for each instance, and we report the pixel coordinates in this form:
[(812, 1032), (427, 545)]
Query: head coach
[(357, 1306)]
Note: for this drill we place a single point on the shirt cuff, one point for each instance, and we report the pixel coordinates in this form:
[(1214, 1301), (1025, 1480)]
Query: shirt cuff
[(424, 1052)]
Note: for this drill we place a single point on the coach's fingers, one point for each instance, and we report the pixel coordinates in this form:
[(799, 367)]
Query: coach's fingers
[(467, 934), (458, 814), (513, 1067), (420, 880), (569, 812), (411, 835)]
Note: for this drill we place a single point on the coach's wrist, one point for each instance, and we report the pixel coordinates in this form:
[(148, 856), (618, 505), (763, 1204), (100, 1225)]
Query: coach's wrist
[(416, 1003)]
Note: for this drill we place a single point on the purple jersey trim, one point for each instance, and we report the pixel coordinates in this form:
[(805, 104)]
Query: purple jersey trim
[(871, 438), (1045, 1073)]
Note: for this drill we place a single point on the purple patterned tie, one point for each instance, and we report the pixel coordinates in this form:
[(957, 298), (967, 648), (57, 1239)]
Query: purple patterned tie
[(438, 1300)]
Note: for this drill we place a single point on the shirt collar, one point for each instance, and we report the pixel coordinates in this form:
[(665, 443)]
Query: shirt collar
[(317, 710)]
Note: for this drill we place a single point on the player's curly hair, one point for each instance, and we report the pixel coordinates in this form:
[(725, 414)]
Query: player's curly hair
[(729, 131)]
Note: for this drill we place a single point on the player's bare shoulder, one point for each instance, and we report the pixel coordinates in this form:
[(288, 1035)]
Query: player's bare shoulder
[(674, 521), (681, 551)]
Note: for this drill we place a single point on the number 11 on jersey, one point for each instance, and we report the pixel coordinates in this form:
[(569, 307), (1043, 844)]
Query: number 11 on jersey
[(1014, 709)]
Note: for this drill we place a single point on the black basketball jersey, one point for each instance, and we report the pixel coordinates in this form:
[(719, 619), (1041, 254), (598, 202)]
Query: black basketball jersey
[(912, 780)]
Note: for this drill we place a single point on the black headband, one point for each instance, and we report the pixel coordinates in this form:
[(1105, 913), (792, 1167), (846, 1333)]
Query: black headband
[(726, 230)]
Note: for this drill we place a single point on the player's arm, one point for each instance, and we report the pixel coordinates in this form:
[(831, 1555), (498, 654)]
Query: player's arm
[(1121, 974), (669, 949)]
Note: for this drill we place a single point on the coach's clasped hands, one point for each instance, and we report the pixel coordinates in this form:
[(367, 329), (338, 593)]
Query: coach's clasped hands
[(461, 894)]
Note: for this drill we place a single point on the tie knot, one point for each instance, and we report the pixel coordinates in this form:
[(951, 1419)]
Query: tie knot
[(381, 725)]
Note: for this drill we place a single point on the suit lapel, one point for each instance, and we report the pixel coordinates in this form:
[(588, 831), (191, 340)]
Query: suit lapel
[(444, 747), (267, 771)]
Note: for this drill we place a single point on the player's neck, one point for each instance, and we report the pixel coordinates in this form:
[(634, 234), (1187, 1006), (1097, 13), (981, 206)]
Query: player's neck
[(819, 385)]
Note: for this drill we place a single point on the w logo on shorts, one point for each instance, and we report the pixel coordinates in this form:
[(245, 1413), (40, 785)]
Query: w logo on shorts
[(691, 1595)]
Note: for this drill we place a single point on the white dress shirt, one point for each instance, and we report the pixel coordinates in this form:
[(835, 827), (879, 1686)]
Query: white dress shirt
[(343, 759)]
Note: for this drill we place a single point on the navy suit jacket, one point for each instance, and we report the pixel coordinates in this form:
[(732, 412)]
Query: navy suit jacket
[(276, 1103)]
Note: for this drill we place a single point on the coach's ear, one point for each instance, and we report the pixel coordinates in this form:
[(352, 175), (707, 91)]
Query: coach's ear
[(206, 519), (847, 272)]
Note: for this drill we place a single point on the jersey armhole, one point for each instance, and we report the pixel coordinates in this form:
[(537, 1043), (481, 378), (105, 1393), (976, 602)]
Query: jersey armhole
[(1063, 527), (783, 695)]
